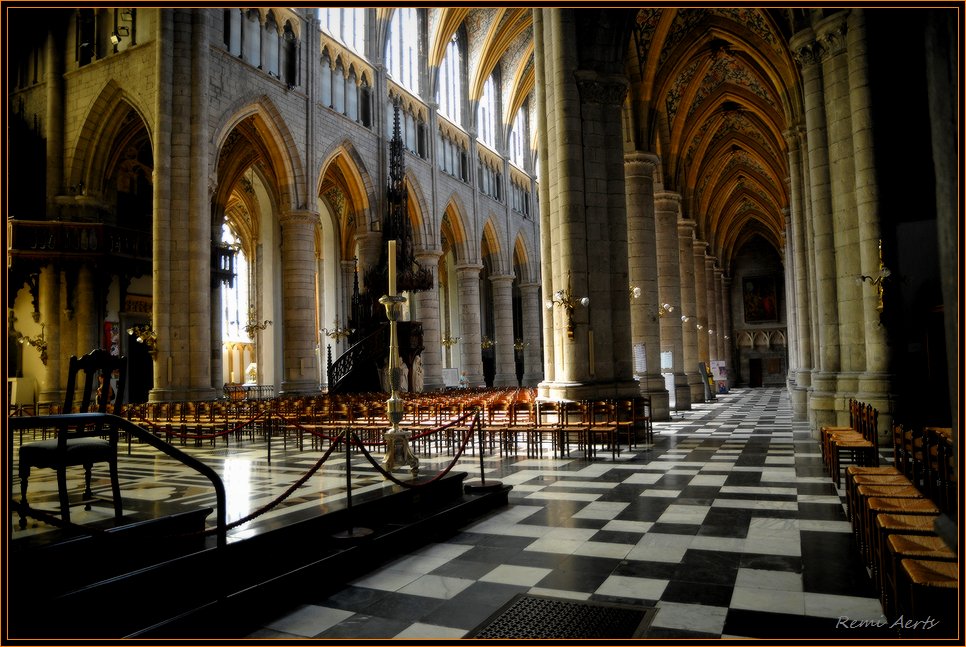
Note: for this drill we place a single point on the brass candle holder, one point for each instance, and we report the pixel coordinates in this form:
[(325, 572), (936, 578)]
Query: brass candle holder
[(398, 451)]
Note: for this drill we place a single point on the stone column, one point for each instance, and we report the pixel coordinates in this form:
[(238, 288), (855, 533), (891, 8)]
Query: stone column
[(49, 388), (503, 330), (585, 210), (85, 315), (688, 332), (791, 309), (427, 305), (728, 328), (165, 228), (299, 369), (710, 332), (821, 401), (642, 263), (798, 295), (831, 33), (876, 380), (532, 357), (717, 337), (468, 277), (666, 207), (54, 54), (700, 315)]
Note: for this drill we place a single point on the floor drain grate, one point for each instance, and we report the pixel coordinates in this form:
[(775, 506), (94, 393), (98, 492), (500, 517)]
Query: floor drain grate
[(537, 616)]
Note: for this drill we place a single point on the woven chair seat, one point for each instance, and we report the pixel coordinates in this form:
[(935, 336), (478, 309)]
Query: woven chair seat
[(931, 573), (895, 491), (920, 547), (856, 470), (902, 506), (922, 523)]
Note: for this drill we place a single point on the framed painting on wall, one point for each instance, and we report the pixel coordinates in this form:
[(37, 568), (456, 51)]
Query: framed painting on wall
[(760, 299)]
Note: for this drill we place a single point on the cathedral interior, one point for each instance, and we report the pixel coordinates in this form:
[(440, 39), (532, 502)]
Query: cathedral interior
[(692, 207)]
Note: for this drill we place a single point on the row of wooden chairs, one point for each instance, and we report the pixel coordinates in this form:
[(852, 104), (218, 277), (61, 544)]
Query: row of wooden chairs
[(893, 520), (859, 441)]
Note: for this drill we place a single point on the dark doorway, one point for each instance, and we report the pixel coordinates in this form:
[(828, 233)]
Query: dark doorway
[(754, 372)]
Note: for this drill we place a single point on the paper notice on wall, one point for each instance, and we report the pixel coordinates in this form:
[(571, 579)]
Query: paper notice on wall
[(640, 360)]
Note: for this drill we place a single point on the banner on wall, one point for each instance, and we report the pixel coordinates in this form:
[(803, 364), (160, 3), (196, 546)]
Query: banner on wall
[(719, 372), (112, 339)]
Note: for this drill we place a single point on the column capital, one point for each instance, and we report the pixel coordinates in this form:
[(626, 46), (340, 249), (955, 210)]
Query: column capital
[(428, 257), (465, 268), (601, 88), (686, 227), (670, 196), (530, 288), (502, 278), (298, 216), (700, 247), (646, 159)]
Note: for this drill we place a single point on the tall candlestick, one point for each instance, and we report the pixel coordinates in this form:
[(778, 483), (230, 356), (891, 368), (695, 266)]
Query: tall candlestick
[(392, 268)]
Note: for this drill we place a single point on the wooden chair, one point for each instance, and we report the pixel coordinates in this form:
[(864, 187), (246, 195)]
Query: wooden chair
[(863, 451), (79, 444)]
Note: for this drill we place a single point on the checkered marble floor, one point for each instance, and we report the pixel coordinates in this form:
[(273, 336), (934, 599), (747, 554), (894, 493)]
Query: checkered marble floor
[(728, 525)]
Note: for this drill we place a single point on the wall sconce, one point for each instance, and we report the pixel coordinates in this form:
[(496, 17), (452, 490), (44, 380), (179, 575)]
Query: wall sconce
[(519, 345), (566, 299), (40, 343), (710, 331), (253, 326), (726, 337), (338, 333), (700, 327), (486, 343), (145, 334), (877, 280), (635, 292), (120, 32), (665, 309), (685, 318), (449, 341)]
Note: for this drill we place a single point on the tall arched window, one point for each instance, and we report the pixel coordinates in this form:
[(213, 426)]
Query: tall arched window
[(451, 82), (235, 297), (486, 113), (346, 24), (518, 139), (402, 60)]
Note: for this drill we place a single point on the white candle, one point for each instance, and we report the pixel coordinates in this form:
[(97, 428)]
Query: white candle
[(392, 268)]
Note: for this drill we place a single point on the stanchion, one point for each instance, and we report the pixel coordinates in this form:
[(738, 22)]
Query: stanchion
[(351, 532), (482, 485)]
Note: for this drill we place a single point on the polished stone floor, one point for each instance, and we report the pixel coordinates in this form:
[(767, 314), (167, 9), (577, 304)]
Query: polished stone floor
[(727, 524)]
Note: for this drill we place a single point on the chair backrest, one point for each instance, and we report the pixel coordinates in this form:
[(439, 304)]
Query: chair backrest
[(97, 362)]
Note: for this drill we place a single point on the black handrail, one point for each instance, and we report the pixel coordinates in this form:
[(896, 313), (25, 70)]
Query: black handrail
[(112, 424)]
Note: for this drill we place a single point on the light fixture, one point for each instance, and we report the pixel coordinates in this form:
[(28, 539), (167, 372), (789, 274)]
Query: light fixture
[(685, 318), (486, 343), (877, 280), (117, 34), (519, 345), (665, 309), (40, 343), (710, 332), (635, 292), (253, 326), (146, 335), (339, 332), (566, 299), (449, 341), (700, 327)]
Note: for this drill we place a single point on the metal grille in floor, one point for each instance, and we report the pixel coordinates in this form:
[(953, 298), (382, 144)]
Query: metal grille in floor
[(537, 616)]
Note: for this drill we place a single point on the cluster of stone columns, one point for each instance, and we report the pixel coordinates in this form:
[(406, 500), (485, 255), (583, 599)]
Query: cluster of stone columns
[(839, 348)]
